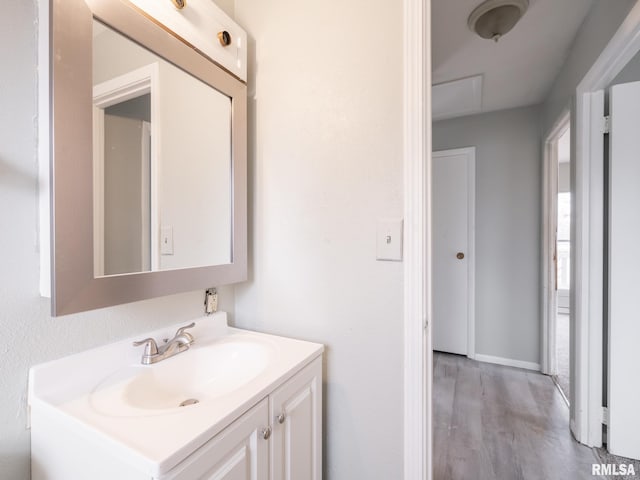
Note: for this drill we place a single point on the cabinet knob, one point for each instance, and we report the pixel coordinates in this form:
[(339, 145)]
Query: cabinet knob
[(266, 432), (460, 255), (281, 418)]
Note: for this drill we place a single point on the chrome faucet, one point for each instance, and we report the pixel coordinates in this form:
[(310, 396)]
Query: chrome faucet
[(180, 342)]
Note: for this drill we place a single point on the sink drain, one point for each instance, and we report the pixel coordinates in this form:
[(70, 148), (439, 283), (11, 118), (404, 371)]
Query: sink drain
[(189, 401)]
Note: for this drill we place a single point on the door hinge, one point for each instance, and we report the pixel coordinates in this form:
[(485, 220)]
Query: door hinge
[(606, 124), (605, 416)]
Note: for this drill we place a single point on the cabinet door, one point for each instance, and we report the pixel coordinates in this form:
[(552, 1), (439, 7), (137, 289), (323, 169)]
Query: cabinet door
[(296, 416), (239, 452)]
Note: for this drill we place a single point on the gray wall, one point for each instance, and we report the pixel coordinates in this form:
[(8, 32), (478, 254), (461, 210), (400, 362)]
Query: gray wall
[(124, 214), (508, 203), (602, 22), (564, 181), (325, 88), (29, 334), (630, 73)]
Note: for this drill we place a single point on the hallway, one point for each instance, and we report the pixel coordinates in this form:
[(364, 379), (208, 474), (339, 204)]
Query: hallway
[(493, 422)]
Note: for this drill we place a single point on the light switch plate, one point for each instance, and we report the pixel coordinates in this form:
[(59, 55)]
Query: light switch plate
[(389, 239), (166, 241)]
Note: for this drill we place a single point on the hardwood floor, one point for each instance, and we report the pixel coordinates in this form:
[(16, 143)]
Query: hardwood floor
[(500, 423)]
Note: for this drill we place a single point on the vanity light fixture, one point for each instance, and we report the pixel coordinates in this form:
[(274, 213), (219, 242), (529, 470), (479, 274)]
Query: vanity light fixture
[(493, 19)]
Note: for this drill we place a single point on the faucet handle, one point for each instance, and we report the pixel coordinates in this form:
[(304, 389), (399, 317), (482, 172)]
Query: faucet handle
[(150, 346), (181, 331)]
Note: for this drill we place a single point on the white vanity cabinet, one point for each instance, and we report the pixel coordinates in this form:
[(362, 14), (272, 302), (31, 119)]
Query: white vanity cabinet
[(257, 411), (288, 424), (240, 452), (296, 413), (293, 436), (279, 438)]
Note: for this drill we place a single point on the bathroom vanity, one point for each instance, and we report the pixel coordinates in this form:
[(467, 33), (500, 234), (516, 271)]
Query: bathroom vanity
[(143, 154), (252, 410)]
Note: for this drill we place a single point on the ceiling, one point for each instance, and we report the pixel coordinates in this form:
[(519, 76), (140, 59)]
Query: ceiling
[(520, 69)]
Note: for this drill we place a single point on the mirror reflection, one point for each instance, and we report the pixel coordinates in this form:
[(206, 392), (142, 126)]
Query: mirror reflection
[(162, 163)]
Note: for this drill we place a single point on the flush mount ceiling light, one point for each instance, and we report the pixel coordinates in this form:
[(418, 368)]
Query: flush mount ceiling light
[(495, 18)]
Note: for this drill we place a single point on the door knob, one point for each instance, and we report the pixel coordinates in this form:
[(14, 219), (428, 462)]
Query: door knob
[(459, 255)]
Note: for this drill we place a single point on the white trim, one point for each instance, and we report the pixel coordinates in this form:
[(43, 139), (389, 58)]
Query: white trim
[(592, 356), (417, 308), (470, 153), (587, 256), (130, 85), (146, 165), (549, 228), (125, 87), (509, 362), (471, 262)]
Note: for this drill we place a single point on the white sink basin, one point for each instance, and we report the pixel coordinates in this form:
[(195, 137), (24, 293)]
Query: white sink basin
[(107, 397), (198, 375)]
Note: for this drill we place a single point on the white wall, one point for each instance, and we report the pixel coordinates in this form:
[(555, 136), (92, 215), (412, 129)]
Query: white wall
[(29, 334), (195, 193), (228, 6), (508, 199), (325, 162)]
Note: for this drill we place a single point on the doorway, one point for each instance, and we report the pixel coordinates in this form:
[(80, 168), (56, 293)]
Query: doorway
[(556, 256), (563, 264)]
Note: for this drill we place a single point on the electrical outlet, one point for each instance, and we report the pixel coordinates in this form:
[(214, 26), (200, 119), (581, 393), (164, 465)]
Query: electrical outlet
[(211, 301), (166, 240)]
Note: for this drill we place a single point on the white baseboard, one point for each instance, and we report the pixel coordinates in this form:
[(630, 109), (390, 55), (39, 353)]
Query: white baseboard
[(507, 361)]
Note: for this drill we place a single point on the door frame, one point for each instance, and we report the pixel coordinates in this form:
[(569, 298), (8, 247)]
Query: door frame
[(588, 255), (548, 364), (143, 80), (470, 153), (418, 357)]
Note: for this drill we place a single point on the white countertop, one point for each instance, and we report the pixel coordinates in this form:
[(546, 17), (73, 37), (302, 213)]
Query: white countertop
[(155, 443)]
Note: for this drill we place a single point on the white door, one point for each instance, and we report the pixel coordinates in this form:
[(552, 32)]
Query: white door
[(453, 192), (624, 271)]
